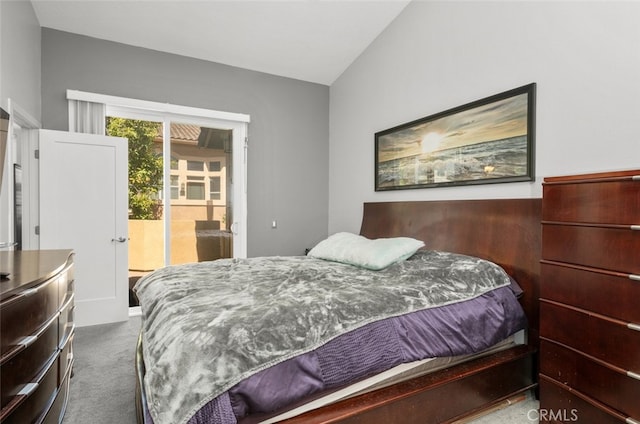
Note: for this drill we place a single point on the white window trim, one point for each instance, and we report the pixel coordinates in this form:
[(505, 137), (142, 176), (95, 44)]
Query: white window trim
[(157, 107), (27, 143)]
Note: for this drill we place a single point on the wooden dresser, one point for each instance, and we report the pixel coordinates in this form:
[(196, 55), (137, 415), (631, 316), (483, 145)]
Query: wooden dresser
[(36, 315), (590, 299)]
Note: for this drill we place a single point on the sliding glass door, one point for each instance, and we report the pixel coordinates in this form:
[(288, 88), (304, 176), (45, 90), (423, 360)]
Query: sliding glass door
[(187, 187), (201, 191)]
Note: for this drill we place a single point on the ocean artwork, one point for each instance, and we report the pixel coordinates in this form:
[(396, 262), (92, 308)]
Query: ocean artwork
[(481, 161), (490, 140)]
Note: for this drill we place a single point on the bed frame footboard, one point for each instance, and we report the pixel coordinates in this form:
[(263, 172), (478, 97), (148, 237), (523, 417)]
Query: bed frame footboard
[(441, 397)]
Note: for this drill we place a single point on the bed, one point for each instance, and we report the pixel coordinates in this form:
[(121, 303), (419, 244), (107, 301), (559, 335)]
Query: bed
[(502, 232)]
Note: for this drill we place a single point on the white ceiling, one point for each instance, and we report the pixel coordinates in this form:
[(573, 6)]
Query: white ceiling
[(310, 40)]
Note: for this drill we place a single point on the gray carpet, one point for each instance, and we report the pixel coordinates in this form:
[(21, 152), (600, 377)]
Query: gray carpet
[(102, 388)]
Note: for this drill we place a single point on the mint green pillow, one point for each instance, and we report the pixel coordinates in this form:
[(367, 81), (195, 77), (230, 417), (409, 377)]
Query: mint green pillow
[(360, 251)]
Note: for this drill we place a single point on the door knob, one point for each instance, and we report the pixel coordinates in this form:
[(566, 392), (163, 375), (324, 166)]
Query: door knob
[(120, 239)]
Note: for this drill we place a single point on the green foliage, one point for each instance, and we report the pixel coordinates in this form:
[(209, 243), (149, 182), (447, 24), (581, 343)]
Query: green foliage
[(145, 165)]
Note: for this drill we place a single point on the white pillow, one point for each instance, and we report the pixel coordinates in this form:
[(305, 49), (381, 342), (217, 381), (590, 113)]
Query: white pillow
[(357, 250)]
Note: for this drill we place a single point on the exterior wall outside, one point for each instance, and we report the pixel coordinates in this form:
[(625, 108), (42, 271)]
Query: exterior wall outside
[(208, 208), (216, 213), (188, 244), (583, 56)]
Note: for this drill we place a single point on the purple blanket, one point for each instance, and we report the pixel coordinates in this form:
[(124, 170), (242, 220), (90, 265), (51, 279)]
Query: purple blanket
[(449, 330)]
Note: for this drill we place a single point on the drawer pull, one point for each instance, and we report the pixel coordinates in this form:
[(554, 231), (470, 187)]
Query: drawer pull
[(633, 326), (68, 302), (26, 293), (633, 375), (635, 178), (635, 227), (69, 330), (632, 421), (634, 277), (28, 389), (29, 292), (26, 341)]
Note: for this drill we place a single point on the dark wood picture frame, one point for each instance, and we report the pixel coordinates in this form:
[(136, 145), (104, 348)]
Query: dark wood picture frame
[(490, 140)]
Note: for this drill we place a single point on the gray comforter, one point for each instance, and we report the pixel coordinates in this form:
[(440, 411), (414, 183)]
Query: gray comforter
[(208, 326)]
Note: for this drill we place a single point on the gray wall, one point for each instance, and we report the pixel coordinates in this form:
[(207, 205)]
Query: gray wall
[(289, 129), (20, 82), (436, 55), (20, 56)]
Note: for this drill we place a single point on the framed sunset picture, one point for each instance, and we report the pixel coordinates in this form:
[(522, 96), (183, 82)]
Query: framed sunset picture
[(486, 141)]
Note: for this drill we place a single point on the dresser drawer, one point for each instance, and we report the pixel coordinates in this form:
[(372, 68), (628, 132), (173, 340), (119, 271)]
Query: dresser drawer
[(65, 322), (24, 368), (596, 380), (66, 358), (24, 314), (560, 404), (56, 413), (605, 202), (612, 294), (603, 338), (597, 247), (36, 331), (66, 284), (38, 400)]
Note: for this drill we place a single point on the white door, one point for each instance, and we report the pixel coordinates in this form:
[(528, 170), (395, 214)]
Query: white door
[(83, 206)]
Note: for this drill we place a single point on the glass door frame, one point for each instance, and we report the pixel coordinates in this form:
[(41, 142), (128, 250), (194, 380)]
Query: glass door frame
[(204, 118)]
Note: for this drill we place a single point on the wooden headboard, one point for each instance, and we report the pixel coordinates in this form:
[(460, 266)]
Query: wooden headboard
[(505, 231)]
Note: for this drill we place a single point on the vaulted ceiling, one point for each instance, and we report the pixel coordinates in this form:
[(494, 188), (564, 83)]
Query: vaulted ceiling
[(310, 40)]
